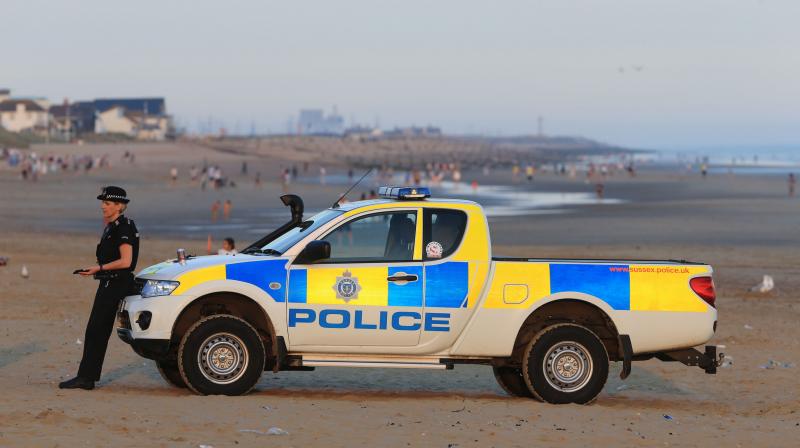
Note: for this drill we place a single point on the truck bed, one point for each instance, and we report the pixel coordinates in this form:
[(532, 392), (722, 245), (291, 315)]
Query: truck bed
[(595, 260)]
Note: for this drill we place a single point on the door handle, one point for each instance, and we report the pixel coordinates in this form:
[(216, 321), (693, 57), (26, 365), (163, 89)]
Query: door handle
[(402, 277)]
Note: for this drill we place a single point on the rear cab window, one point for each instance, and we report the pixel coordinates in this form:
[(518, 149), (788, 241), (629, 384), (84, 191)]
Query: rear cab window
[(443, 230)]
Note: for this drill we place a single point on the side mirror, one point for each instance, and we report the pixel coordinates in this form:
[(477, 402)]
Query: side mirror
[(314, 251)]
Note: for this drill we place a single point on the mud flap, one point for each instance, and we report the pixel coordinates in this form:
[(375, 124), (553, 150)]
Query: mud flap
[(626, 353)]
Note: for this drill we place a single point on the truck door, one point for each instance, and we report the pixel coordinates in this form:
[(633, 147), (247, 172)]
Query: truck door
[(449, 275), (369, 292)]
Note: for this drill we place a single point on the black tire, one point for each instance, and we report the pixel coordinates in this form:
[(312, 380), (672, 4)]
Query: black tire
[(565, 363), (170, 372), (221, 355), (511, 380)]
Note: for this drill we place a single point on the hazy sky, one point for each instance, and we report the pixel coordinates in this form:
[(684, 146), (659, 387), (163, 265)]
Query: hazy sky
[(711, 72)]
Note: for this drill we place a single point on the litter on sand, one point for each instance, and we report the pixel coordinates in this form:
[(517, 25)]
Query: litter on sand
[(766, 285), (24, 273), (727, 362), (748, 327), (3, 261), (274, 431), (78, 341), (772, 364), (668, 417)]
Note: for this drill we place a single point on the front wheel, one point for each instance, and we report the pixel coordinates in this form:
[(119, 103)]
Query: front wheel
[(221, 355), (565, 363)]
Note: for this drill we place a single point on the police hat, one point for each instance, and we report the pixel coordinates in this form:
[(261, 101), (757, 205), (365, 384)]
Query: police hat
[(114, 194)]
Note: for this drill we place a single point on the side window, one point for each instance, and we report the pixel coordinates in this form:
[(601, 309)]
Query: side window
[(378, 237), (443, 231)]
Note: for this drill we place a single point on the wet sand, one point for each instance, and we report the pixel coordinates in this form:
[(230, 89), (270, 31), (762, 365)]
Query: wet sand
[(744, 227)]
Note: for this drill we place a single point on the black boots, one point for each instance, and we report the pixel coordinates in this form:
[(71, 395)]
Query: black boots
[(77, 383)]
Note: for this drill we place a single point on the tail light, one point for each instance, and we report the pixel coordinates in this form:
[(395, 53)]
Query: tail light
[(704, 287)]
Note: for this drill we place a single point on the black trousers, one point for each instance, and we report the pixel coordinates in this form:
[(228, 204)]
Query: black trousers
[(101, 324)]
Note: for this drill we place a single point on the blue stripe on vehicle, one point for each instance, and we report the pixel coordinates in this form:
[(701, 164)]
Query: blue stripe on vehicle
[(298, 282), (446, 284), (261, 274), (608, 283), (409, 294)]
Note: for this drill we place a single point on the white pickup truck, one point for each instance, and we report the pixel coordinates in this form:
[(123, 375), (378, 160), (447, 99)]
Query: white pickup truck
[(409, 281)]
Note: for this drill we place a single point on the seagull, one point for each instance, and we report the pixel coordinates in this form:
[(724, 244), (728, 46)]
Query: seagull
[(765, 286)]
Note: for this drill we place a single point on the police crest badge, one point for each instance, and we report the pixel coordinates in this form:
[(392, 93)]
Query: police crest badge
[(347, 287)]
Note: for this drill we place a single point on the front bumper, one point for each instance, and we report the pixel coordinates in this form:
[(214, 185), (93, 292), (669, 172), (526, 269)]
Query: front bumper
[(153, 339), (162, 313)]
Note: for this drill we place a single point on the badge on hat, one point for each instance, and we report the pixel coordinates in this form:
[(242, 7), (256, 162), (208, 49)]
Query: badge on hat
[(114, 194)]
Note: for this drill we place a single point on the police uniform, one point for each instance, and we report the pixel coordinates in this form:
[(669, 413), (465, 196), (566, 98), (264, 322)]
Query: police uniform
[(114, 286)]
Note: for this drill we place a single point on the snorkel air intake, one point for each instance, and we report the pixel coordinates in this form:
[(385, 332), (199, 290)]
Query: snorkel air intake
[(295, 204)]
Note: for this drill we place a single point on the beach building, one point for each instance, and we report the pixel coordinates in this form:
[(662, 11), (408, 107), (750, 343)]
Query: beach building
[(315, 122), (23, 115), (140, 118), (72, 119)]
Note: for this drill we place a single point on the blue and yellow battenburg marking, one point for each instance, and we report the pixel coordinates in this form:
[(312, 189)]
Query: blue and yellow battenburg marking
[(268, 275), (622, 286), (446, 285)]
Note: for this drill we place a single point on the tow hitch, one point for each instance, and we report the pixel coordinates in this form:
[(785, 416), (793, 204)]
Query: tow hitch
[(708, 361)]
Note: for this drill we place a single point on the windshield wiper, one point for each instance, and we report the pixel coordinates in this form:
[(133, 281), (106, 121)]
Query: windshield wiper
[(261, 251)]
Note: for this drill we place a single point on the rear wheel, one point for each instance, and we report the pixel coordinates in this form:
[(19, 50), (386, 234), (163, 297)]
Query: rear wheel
[(511, 380), (221, 355), (565, 363), (170, 372)]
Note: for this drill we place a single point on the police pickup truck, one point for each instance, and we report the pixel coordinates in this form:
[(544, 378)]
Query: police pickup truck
[(408, 281)]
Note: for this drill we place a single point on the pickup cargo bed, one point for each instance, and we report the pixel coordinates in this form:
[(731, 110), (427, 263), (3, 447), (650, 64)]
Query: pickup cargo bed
[(596, 260)]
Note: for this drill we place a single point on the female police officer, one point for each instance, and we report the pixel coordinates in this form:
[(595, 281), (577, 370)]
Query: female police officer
[(116, 260)]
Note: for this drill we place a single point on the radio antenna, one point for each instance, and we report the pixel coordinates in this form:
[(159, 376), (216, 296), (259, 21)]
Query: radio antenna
[(336, 204)]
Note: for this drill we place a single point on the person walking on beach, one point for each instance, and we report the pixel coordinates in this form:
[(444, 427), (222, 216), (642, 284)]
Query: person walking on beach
[(215, 210), (226, 209), (792, 182), (116, 255)]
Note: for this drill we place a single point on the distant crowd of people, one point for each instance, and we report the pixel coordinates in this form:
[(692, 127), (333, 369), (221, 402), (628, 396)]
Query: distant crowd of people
[(32, 166)]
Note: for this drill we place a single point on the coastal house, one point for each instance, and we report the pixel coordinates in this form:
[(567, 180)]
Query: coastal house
[(140, 118), (23, 115), (72, 119)]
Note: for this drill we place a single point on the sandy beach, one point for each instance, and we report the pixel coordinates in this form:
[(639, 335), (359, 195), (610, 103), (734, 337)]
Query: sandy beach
[(745, 226)]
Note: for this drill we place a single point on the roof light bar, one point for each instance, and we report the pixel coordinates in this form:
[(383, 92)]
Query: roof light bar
[(392, 192)]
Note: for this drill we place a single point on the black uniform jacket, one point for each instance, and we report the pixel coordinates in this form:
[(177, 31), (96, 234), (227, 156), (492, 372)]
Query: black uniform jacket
[(120, 231)]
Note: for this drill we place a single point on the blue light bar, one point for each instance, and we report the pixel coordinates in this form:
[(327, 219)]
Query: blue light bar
[(391, 192)]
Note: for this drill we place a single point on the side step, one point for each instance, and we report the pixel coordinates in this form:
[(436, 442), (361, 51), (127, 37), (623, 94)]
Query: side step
[(383, 362)]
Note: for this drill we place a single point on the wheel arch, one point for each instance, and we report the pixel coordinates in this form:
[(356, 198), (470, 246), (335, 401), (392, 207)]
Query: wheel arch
[(226, 302), (568, 310)]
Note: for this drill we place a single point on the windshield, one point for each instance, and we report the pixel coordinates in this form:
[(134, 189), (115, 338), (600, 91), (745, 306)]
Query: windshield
[(290, 238)]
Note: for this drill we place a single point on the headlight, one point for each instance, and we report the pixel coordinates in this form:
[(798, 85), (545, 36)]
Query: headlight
[(155, 288)]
